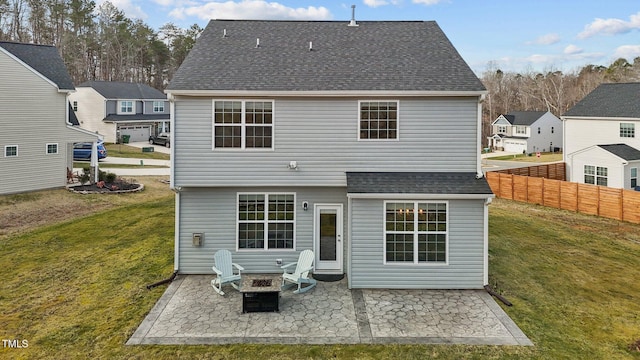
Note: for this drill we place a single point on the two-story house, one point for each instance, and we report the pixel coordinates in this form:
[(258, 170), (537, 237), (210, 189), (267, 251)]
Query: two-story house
[(601, 146), (115, 109), (37, 133), (359, 141), (526, 132)]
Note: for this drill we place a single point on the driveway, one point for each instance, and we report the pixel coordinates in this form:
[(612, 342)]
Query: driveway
[(190, 312)]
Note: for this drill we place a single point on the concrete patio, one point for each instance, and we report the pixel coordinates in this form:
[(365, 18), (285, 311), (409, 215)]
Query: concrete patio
[(190, 312)]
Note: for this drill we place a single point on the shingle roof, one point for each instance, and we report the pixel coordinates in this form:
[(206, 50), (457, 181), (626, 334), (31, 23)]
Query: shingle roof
[(524, 117), (375, 55), (416, 183), (610, 100), (44, 59), (124, 90), (623, 151), (137, 117)]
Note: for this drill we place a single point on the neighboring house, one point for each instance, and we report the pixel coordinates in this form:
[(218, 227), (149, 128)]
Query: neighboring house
[(360, 142), (601, 144), (526, 132), (37, 131), (116, 108)]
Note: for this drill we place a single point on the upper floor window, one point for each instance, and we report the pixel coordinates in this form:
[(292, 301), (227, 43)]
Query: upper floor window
[(52, 148), (502, 129), (416, 232), (125, 107), (266, 221), (11, 151), (158, 106), (539, 129), (378, 120), (75, 106), (243, 124), (627, 130), (596, 175), (521, 130)]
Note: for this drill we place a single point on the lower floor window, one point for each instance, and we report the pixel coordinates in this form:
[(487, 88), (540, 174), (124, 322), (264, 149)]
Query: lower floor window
[(596, 175), (416, 232), (266, 221), (634, 177), (11, 150), (52, 148)]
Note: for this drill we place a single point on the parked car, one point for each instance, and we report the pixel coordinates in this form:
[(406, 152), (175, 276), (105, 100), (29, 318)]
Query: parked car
[(82, 151), (161, 139)]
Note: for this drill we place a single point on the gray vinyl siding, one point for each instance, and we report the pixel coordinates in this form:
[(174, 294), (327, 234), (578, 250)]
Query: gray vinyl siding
[(321, 135), (33, 115), (148, 107), (213, 212), (466, 248)]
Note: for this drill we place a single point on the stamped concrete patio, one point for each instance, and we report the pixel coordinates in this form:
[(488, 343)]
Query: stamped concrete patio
[(190, 312)]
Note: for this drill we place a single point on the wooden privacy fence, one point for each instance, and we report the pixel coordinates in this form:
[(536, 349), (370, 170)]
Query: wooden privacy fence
[(550, 171), (602, 201)]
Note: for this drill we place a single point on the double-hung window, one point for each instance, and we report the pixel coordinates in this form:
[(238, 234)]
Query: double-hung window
[(378, 120), (502, 129), (52, 149), (634, 177), (596, 175), (416, 232), (266, 221), (521, 130), (158, 106), (11, 151), (125, 107), (627, 130), (243, 124)]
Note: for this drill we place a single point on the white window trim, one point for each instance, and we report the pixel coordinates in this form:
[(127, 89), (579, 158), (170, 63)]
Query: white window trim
[(153, 106), (46, 149), (633, 127), (415, 235), (523, 132), (595, 174), (266, 222), (11, 146), (397, 120), (243, 126), (631, 177), (119, 109)]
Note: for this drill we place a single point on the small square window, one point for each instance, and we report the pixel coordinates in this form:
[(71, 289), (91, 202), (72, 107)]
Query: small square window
[(52, 148), (158, 106), (378, 120), (627, 130), (11, 151)]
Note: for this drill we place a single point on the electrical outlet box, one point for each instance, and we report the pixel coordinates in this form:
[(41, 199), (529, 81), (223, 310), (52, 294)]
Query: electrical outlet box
[(197, 239), (279, 262)]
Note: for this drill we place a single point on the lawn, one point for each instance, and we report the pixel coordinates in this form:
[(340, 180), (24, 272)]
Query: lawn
[(544, 157), (75, 287), (126, 151)]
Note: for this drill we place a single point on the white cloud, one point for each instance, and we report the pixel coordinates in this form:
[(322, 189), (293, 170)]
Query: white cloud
[(572, 50), (376, 3), (426, 2), (251, 9), (610, 26), (130, 10), (628, 52), (547, 39)]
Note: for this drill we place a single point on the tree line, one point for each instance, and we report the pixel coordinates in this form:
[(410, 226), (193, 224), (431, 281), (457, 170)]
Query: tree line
[(103, 44), (99, 43)]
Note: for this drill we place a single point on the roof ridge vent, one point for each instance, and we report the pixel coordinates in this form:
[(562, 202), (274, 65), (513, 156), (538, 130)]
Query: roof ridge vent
[(353, 16)]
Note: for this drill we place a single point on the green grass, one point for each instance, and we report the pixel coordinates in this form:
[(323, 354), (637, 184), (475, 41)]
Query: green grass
[(83, 164), (77, 289), (544, 157), (126, 151)]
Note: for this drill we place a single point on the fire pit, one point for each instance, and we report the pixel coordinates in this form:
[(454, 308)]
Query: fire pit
[(260, 292)]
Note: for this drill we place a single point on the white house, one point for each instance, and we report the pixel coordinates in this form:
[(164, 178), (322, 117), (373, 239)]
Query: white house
[(115, 109), (526, 132), (357, 141), (600, 134)]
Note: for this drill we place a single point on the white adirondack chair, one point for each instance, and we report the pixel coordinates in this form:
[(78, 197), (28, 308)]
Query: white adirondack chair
[(300, 275), (224, 271)]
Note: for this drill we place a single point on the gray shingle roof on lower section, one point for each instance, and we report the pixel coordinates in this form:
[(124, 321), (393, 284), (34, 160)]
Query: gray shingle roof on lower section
[(375, 55), (124, 90), (416, 183), (609, 100), (137, 117), (623, 151)]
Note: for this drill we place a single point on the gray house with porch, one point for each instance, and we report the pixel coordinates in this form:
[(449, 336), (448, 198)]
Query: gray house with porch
[(357, 141)]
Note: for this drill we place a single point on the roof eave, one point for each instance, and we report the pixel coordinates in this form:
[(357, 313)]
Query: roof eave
[(323, 93), (404, 196)]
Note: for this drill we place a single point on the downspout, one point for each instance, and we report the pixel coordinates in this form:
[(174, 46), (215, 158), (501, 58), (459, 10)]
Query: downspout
[(350, 241), (485, 234), (479, 138), (176, 189), (176, 241)]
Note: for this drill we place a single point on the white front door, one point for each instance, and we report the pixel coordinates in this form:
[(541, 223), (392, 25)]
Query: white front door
[(327, 235)]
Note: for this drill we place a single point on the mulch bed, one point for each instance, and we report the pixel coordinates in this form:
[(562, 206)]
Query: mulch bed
[(116, 187)]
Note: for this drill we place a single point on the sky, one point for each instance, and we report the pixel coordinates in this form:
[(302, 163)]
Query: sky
[(511, 35)]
